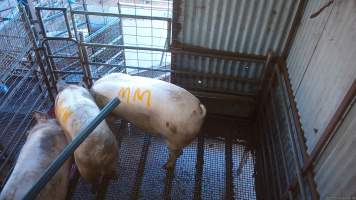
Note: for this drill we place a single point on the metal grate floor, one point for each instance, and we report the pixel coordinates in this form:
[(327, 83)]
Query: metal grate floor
[(201, 172)]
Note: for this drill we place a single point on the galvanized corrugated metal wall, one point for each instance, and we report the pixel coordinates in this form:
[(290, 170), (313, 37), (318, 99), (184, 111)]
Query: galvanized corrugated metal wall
[(245, 26), (278, 155), (322, 63), (239, 26), (335, 171), (322, 68), (230, 69)]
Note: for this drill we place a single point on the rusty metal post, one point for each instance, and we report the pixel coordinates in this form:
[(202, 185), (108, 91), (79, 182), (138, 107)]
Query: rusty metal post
[(85, 63), (37, 51), (274, 116)]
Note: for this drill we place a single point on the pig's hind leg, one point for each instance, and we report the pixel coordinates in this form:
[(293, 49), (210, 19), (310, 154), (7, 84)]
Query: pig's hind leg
[(174, 153), (91, 176)]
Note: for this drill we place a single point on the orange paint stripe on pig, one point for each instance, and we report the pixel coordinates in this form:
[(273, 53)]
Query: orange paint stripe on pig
[(64, 114)]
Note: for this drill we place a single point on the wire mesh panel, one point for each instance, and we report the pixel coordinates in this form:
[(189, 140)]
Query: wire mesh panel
[(132, 142), (16, 117), (21, 90), (243, 172), (213, 181), (184, 175), (154, 174), (14, 41)]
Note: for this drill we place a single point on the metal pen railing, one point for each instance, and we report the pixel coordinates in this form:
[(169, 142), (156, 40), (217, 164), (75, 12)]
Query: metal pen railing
[(69, 150)]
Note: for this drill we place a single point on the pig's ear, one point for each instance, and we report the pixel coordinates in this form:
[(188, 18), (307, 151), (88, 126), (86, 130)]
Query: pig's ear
[(40, 116), (61, 84)]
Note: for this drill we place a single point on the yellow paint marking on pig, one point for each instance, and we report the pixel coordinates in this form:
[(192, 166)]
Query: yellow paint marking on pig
[(138, 95), (64, 113), (125, 94)]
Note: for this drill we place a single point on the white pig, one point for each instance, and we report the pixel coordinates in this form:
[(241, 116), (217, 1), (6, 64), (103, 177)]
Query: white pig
[(155, 106), (96, 157), (45, 142)]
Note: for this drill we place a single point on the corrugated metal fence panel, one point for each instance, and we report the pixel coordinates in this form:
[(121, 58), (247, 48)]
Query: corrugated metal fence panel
[(335, 171), (306, 40), (229, 68), (330, 72), (245, 26)]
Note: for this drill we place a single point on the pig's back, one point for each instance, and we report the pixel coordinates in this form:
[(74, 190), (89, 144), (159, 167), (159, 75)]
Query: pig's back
[(158, 97), (75, 103), (39, 151), (148, 103)]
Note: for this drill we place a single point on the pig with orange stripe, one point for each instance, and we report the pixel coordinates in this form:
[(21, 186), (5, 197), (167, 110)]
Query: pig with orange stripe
[(96, 157), (155, 106)]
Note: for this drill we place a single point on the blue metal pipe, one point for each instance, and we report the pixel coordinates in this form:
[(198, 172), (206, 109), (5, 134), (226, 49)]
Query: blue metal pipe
[(69, 150)]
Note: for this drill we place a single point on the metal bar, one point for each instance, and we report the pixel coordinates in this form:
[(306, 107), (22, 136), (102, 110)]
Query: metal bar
[(79, 12), (179, 48), (202, 75), (270, 141), (300, 134), (218, 91), (293, 142), (129, 67), (67, 23), (69, 149), (73, 23), (169, 29), (40, 20), (46, 39), (293, 32), (267, 189), (333, 124), (66, 57), (199, 166), (227, 97), (284, 160), (284, 74), (176, 28), (141, 167), (168, 183), (270, 163), (87, 17), (229, 190), (122, 47), (37, 51), (52, 17), (266, 72), (122, 33), (48, 51), (86, 67), (49, 8), (51, 68)]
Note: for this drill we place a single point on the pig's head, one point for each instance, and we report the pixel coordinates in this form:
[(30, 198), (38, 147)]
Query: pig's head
[(42, 118), (43, 121)]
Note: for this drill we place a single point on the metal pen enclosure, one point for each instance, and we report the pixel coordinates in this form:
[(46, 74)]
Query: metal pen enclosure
[(61, 45), (251, 146)]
